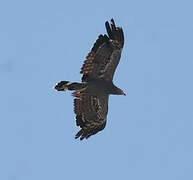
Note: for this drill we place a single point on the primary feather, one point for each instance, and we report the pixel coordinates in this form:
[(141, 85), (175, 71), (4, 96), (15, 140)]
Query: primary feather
[(104, 57)]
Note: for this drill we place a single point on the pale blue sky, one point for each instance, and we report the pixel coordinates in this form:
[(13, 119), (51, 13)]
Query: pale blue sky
[(149, 132)]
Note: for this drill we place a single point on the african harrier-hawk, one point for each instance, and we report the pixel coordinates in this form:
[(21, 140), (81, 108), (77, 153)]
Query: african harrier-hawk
[(92, 94)]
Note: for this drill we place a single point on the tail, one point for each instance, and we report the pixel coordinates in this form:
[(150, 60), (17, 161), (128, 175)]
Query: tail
[(66, 85)]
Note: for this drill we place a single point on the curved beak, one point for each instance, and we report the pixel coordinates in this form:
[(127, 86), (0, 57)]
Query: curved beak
[(123, 93)]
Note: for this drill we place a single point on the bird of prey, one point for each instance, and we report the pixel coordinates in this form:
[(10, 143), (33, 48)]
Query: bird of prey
[(92, 94)]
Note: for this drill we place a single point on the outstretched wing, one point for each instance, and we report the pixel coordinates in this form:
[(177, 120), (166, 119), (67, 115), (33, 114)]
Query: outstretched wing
[(104, 57), (91, 113)]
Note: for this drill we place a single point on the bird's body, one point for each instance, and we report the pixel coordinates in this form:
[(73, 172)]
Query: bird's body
[(99, 87), (92, 94)]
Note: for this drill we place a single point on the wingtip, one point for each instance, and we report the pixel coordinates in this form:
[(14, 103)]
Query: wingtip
[(112, 21), (79, 134), (114, 32), (109, 31)]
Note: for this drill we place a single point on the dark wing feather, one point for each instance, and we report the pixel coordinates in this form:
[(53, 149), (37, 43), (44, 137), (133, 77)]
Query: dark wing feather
[(104, 57), (91, 113)]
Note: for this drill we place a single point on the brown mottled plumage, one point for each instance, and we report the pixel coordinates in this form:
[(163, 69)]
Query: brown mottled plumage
[(91, 96)]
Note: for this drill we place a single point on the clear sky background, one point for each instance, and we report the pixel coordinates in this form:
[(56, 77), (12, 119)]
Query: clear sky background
[(149, 132)]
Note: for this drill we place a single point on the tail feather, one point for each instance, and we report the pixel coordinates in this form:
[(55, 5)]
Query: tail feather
[(67, 85), (61, 86)]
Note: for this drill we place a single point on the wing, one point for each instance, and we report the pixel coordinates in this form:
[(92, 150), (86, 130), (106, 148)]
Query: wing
[(104, 57), (91, 113)]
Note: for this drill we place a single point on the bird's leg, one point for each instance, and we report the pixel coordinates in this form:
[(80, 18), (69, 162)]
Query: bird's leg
[(78, 92)]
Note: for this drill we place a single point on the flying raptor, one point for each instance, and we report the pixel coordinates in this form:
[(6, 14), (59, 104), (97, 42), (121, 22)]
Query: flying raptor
[(92, 94)]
